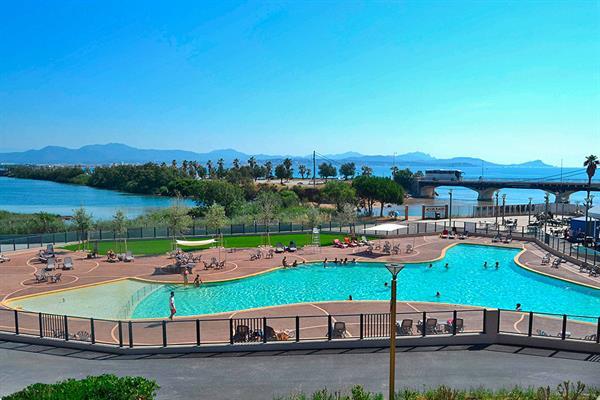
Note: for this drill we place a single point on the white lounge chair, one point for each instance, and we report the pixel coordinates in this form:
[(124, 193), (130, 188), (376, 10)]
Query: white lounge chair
[(68, 263)]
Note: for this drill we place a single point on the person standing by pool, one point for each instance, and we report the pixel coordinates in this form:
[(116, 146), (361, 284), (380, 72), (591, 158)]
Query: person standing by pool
[(497, 265), (197, 280), (325, 263), (172, 305), (185, 276)]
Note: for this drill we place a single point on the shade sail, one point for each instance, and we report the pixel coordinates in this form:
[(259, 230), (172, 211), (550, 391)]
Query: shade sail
[(193, 243), (385, 227)]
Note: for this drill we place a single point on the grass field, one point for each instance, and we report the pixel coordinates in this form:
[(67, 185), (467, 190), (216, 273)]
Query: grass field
[(162, 246)]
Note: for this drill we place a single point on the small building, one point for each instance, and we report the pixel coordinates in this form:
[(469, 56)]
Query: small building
[(578, 227)]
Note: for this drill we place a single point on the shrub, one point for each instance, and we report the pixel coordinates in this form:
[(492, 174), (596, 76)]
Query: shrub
[(93, 387)]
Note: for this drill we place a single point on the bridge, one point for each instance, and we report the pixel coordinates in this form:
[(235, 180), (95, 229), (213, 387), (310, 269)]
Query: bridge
[(486, 188)]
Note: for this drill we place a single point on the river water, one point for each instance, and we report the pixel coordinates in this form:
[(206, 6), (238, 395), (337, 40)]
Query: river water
[(29, 196)]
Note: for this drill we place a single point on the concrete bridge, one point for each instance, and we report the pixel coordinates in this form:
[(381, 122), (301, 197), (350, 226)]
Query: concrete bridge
[(487, 188)]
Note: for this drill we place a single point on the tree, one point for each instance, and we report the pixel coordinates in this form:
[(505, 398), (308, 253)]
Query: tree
[(43, 221), (327, 170), (236, 163), (591, 163), (289, 171), (281, 172), (118, 226), (210, 168), (404, 178), (215, 220), (366, 170), (208, 192), (313, 215), (268, 170), (339, 193), (177, 219), (347, 216), (221, 168), (382, 190), (388, 191), (267, 208), (348, 170), (83, 222), (302, 170)]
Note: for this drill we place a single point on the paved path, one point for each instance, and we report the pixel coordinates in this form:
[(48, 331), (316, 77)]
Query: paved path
[(265, 375)]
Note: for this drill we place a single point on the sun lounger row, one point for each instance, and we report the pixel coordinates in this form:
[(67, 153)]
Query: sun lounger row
[(43, 276), (111, 256), (243, 333), (214, 264), (453, 234), (502, 239), (4, 258), (591, 270)]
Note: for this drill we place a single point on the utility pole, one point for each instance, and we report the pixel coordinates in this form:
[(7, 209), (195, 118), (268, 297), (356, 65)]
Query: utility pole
[(450, 210), (314, 168), (503, 207), (497, 194), (546, 200)]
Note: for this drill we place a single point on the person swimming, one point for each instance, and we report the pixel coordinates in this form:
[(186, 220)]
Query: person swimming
[(497, 265), (437, 294), (430, 266), (385, 284), (350, 298), (485, 264), (295, 263), (325, 262), (446, 266), (518, 307)]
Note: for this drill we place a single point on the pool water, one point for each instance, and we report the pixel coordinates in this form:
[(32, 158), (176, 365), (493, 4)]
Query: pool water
[(465, 281)]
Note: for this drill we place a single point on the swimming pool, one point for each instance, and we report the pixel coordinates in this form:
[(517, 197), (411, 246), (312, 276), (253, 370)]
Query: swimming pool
[(465, 281)]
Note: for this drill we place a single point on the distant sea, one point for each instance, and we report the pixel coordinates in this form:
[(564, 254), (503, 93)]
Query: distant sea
[(30, 196)]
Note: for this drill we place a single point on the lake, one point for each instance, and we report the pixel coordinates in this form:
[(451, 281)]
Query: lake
[(30, 196)]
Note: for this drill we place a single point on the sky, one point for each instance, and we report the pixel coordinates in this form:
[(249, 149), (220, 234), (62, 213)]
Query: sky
[(506, 81)]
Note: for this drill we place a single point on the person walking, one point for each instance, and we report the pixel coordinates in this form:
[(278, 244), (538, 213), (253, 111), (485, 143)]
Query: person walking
[(172, 305)]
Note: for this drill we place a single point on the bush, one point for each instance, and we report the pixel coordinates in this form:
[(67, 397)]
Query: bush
[(93, 387)]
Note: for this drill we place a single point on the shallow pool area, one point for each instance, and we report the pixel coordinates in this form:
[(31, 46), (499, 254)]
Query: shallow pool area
[(465, 281)]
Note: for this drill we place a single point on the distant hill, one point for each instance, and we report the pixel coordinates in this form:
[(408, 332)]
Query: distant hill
[(114, 153)]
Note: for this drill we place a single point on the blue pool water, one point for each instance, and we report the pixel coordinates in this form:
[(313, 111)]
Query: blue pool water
[(464, 282)]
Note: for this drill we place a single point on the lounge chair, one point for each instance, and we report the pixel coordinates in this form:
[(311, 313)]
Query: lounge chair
[(591, 337), (540, 332), (292, 247), (444, 234), (396, 249), (364, 241), (339, 330), (409, 249), (497, 239), (460, 325), (83, 336), (463, 236), (128, 257), (40, 277), (546, 259), (279, 248), (68, 263), (3, 258), (348, 242), (556, 263), (270, 334), (405, 327), (242, 332), (431, 326), (338, 244), (55, 278), (387, 248), (51, 266), (507, 239), (50, 249)]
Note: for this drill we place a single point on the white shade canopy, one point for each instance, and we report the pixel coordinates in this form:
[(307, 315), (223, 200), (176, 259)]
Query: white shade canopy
[(389, 227), (193, 243)]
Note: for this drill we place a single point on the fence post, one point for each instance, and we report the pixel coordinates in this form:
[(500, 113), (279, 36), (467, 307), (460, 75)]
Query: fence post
[(264, 329), (15, 245), (230, 330), (120, 333), (16, 322), (27, 241), (197, 332), (564, 327), (328, 326), (92, 331), (362, 326), (298, 328), (66, 328), (424, 325), (598, 331), (530, 328), (130, 328), (454, 323), (164, 333), (40, 323)]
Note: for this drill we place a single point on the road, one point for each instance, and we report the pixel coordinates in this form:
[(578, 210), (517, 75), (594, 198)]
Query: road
[(268, 375)]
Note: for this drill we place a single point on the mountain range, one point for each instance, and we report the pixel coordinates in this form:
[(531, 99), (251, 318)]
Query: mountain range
[(111, 153)]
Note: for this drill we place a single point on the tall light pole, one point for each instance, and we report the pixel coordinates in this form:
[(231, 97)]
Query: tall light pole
[(450, 210), (497, 194), (529, 212), (503, 207), (546, 200), (394, 270)]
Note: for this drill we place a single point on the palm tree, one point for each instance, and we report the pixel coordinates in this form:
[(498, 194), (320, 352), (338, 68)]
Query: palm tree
[(236, 163), (302, 170), (591, 163)]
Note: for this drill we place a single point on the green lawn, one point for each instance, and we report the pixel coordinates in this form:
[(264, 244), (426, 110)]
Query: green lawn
[(161, 246)]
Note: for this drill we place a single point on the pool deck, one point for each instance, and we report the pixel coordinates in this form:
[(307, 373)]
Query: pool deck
[(18, 281)]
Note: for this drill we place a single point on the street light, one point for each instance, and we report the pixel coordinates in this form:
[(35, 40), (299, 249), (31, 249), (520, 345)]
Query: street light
[(529, 212), (503, 207), (394, 270), (546, 200), (450, 211), (497, 194)]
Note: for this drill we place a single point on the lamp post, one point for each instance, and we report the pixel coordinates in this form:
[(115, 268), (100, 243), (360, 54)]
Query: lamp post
[(394, 270), (529, 212), (497, 194), (503, 207), (450, 210), (546, 200)]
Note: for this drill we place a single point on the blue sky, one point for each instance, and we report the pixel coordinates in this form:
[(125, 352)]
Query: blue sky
[(506, 81)]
